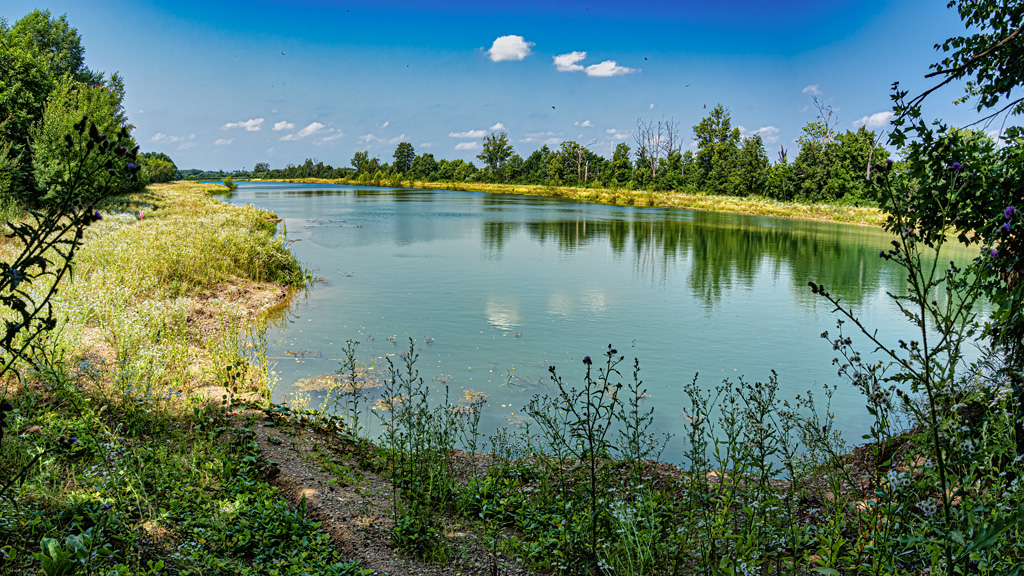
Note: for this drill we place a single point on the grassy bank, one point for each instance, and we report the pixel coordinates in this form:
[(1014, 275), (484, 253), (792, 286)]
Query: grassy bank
[(118, 454), (866, 216)]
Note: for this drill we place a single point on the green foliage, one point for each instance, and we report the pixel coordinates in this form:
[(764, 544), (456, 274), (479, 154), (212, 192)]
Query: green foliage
[(36, 55), (404, 157), (158, 167), (53, 149), (495, 155), (717, 151)]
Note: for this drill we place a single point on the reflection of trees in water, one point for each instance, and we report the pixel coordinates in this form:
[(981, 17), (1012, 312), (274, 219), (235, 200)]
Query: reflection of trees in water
[(724, 251)]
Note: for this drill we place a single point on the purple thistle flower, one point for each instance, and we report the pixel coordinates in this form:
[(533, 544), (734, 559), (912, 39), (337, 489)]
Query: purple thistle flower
[(888, 164), (994, 252), (587, 361), (1006, 226), (1009, 212), (956, 166)]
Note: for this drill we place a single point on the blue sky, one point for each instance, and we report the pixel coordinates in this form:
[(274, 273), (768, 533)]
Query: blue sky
[(224, 84)]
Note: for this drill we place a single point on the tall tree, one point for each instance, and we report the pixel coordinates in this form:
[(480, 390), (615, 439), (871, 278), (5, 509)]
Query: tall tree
[(621, 169), (496, 154), (404, 155), (717, 148)]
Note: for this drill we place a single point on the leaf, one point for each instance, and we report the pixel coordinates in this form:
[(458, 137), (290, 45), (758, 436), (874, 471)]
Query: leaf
[(829, 571)]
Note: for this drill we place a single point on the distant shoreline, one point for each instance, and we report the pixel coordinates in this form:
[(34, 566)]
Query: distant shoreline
[(755, 206)]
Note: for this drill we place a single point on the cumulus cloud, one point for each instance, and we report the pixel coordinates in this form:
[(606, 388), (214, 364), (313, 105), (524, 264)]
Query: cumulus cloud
[(811, 89), (998, 137), (331, 137), (616, 135), (651, 107), (874, 121), (509, 48), (467, 145), (426, 144), (770, 134), (569, 62), (584, 124), (374, 139), (161, 138), (183, 142), (310, 130), (250, 125), (468, 134), (498, 126), (284, 125), (223, 141), (609, 68), (548, 138)]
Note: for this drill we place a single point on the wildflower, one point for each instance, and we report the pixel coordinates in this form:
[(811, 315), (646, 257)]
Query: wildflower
[(587, 361), (994, 252), (929, 506), (1009, 212), (956, 166), (888, 164), (1006, 226)]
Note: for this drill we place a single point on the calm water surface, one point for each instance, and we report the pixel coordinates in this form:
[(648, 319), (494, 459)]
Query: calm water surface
[(493, 289)]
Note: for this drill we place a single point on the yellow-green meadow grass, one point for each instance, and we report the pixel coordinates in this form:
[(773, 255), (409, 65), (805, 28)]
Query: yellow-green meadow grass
[(754, 205), (175, 298)]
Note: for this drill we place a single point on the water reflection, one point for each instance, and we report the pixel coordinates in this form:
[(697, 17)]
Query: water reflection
[(722, 252)]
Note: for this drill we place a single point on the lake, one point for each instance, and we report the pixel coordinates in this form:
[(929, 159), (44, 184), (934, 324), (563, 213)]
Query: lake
[(494, 289)]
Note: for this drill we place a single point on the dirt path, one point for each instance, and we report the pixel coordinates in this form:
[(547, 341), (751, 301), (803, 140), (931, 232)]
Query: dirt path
[(355, 508)]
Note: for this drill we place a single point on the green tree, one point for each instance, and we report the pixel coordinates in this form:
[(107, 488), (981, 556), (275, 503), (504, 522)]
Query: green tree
[(717, 149), (68, 103), (752, 167), (424, 167), (158, 167), (621, 169), (496, 154), (404, 156), (535, 167), (35, 55), (363, 164)]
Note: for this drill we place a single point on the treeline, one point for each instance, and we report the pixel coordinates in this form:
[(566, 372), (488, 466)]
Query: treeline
[(829, 166), (45, 90)]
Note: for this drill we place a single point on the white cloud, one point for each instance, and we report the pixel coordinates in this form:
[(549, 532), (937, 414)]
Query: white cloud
[(770, 134), (616, 135), (386, 124), (584, 124), (569, 62), (223, 141), (313, 128), (811, 89), (997, 136), (161, 138), (284, 125), (509, 48), (609, 68), (498, 126), (468, 134), (426, 144), (549, 138), (651, 107), (332, 137), (374, 139), (467, 145), (874, 121), (250, 125)]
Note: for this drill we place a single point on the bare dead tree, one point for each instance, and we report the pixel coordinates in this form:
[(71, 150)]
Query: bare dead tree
[(655, 140)]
